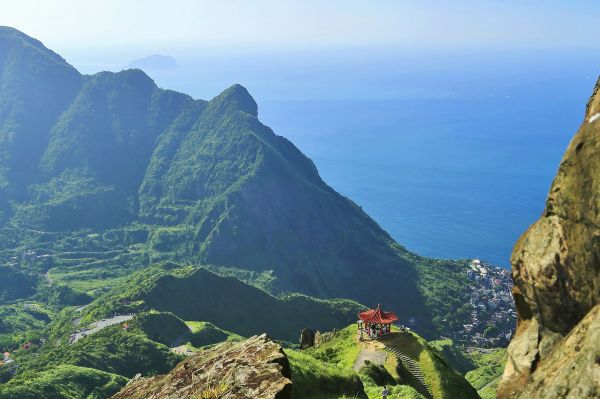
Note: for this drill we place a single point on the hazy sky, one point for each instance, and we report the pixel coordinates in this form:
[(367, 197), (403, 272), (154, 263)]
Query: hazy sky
[(159, 23)]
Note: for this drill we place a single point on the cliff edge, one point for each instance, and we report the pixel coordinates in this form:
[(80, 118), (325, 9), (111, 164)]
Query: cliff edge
[(256, 368), (556, 269)]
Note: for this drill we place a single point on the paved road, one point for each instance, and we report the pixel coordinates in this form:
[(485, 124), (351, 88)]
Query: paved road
[(376, 357), (99, 325)]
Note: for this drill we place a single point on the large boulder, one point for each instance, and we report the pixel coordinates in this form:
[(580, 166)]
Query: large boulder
[(307, 338), (253, 369), (556, 269)]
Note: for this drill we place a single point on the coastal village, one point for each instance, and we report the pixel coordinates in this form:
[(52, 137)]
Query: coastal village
[(493, 317)]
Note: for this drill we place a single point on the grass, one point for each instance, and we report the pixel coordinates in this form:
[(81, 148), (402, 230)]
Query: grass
[(64, 382), (373, 391), (443, 381), (482, 369), (195, 293), (341, 351), (112, 349), (486, 376), (205, 334), (19, 324), (315, 379), (456, 356)]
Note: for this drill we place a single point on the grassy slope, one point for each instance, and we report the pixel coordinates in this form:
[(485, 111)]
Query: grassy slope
[(112, 349), (482, 369), (486, 376), (96, 366), (197, 294), (455, 356), (18, 324), (443, 381), (316, 379), (63, 382), (205, 334), (340, 354)]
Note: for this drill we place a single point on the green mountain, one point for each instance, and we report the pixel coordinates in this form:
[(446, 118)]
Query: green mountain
[(65, 382), (193, 293), (107, 174), (36, 87)]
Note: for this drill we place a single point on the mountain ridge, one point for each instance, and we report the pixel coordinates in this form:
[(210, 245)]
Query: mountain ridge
[(201, 182)]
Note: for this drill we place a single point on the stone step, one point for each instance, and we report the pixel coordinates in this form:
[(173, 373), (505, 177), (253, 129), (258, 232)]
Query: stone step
[(413, 368)]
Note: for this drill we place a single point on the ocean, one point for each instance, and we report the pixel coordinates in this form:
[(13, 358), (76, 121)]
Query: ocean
[(451, 152)]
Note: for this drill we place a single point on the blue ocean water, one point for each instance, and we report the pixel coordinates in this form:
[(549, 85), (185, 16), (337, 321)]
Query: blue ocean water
[(451, 153)]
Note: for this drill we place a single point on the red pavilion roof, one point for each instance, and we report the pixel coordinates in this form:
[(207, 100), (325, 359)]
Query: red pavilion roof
[(377, 316)]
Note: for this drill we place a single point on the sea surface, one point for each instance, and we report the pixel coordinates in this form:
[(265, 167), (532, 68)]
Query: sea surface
[(452, 152)]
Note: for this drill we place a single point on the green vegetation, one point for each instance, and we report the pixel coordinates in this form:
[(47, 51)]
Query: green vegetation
[(22, 322), (109, 185), (165, 328), (482, 368), (205, 334), (376, 377), (15, 284), (107, 174), (486, 376), (340, 353), (443, 381), (113, 349), (95, 366), (63, 382), (193, 293), (316, 379), (455, 356)]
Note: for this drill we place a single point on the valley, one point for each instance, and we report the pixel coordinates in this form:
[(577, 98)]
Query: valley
[(139, 226)]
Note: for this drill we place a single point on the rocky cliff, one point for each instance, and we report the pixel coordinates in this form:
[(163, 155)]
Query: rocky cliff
[(256, 368), (556, 269)]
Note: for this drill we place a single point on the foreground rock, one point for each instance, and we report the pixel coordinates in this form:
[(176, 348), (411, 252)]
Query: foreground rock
[(255, 368), (556, 269)]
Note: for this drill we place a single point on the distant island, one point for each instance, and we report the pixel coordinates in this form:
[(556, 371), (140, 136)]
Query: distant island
[(154, 61)]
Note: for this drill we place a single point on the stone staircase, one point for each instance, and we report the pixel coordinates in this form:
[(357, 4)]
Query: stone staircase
[(414, 369)]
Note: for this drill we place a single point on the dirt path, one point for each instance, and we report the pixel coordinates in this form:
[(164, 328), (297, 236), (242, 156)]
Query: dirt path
[(374, 356)]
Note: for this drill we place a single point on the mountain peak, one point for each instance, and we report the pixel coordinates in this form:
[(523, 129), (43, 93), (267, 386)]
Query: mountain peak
[(155, 62), (10, 37), (593, 106), (238, 98)]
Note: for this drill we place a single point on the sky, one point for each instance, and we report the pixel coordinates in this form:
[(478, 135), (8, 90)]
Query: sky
[(159, 24)]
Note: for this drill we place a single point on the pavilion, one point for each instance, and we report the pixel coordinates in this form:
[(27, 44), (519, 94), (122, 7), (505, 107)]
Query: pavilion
[(376, 322)]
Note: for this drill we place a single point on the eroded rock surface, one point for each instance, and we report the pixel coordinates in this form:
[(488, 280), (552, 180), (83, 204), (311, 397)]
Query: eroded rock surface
[(556, 269), (255, 368)]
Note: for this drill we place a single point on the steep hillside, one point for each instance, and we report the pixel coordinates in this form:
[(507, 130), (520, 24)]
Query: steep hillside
[(254, 368), (108, 173), (342, 351), (555, 350), (193, 293), (64, 382), (36, 86), (486, 376), (95, 366), (327, 370)]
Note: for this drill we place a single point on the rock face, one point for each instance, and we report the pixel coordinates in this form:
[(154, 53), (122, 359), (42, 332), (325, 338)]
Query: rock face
[(307, 338), (255, 368), (556, 269)]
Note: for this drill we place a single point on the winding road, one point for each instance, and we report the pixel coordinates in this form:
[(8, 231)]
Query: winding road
[(99, 325)]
